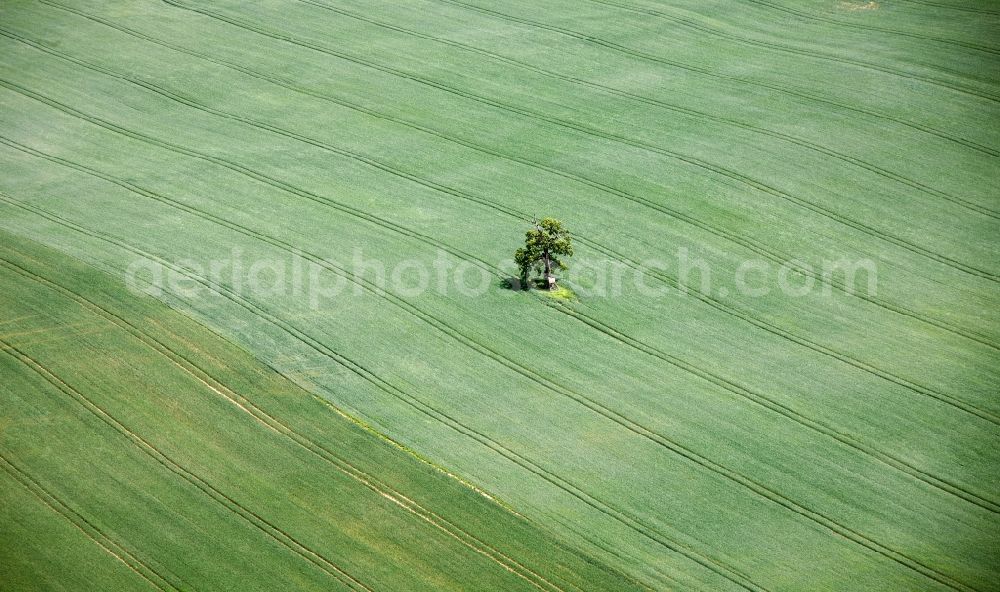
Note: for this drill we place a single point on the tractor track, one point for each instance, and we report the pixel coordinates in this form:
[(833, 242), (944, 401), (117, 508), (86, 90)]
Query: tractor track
[(694, 113), (590, 131), (89, 529), (643, 431), (623, 517), (368, 480), (750, 244), (651, 57), (275, 533)]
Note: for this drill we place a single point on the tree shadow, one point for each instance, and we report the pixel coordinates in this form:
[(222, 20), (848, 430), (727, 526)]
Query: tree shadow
[(513, 283), (517, 285)]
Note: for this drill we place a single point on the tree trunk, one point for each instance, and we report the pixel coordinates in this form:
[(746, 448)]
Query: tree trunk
[(548, 270)]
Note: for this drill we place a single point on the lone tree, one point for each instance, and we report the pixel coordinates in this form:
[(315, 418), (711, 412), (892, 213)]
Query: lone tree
[(543, 245)]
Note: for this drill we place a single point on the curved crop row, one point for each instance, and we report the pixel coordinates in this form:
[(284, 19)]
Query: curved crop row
[(750, 244), (795, 140), (954, 7), (762, 324), (89, 529), (647, 56), (671, 281), (342, 465), (825, 19), (629, 520), (588, 130), (775, 406), (749, 318), (802, 94), (651, 435), (269, 529)]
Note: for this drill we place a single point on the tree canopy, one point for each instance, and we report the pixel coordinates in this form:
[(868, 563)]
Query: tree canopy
[(544, 246)]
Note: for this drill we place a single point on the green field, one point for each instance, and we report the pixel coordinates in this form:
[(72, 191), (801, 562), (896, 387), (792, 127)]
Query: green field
[(202, 389)]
